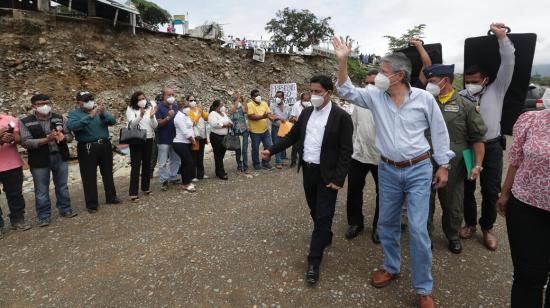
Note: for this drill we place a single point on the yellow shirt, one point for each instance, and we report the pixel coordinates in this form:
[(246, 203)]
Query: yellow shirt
[(195, 116), (444, 98), (257, 126)]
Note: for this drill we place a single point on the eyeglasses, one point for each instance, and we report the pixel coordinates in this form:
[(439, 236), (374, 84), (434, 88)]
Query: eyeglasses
[(192, 100), (370, 82)]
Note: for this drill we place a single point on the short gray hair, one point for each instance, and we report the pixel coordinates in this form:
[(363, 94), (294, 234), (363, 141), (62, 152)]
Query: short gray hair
[(399, 63)]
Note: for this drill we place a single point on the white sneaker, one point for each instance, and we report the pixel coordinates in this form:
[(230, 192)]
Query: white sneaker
[(205, 177), (190, 188), (194, 180)]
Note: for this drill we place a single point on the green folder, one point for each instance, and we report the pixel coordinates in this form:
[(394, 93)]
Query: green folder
[(469, 160)]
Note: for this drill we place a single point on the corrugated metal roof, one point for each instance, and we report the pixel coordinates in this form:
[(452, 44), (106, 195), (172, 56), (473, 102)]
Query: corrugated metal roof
[(128, 6)]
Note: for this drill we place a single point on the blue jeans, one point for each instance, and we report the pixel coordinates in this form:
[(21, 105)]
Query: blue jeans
[(243, 152), (265, 138), (395, 184), (168, 163), (41, 179), (279, 156)]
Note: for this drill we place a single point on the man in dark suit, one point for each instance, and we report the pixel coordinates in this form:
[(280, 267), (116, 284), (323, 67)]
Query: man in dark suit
[(323, 135)]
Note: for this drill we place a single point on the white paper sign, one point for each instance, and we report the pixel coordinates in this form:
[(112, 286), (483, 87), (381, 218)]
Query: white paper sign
[(290, 90)]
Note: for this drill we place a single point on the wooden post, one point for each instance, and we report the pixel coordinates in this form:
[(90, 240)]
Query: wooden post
[(92, 8), (43, 5), (116, 17)]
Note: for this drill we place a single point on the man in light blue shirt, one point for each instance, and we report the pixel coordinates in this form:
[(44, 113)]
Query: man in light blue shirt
[(402, 114)]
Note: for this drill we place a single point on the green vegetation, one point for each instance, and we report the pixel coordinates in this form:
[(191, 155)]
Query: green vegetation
[(151, 13), (541, 80), (357, 72), (396, 43), (300, 29)]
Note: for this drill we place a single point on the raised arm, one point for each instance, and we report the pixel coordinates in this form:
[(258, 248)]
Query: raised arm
[(356, 96), (507, 59), (424, 57)]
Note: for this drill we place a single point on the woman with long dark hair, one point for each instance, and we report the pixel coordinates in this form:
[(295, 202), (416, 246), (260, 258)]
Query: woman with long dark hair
[(141, 113), (219, 128)]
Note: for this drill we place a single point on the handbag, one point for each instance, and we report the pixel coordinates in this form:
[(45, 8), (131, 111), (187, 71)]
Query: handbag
[(231, 142), (132, 135)]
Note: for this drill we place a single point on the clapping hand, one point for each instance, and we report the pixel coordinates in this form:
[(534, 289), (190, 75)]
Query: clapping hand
[(342, 48)]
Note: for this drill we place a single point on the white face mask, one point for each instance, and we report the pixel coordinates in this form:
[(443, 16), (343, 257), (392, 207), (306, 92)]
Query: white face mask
[(186, 110), (193, 104), (433, 89), (44, 109), (473, 89), (223, 109), (382, 82), (258, 99), (89, 105), (170, 100), (317, 100), (142, 103), (278, 100), (239, 105), (306, 104)]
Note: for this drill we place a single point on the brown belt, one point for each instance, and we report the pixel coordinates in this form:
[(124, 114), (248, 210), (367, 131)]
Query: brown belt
[(406, 163)]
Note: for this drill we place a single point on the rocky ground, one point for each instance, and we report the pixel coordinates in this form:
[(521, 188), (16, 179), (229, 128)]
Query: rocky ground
[(240, 243)]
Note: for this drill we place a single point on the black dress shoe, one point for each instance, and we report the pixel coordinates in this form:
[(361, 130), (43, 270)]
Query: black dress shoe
[(92, 211), (353, 231), (114, 201), (374, 236), (312, 274), (455, 246)]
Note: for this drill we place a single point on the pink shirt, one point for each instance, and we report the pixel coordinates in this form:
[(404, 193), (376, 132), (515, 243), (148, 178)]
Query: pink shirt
[(9, 157), (531, 153)]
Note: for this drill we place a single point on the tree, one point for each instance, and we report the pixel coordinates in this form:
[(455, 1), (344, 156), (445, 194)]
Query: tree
[(151, 13), (300, 29), (396, 43)]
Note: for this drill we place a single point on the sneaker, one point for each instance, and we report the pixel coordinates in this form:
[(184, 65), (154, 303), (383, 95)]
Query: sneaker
[(175, 182), (44, 222), (189, 188), (164, 186), (68, 214), (204, 177), (194, 180), (92, 211), (20, 225), (268, 167)]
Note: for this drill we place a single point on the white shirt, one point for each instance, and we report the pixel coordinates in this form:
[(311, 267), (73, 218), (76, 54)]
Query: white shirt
[(315, 131), (364, 137), (134, 118), (297, 109), (184, 128), (217, 121)]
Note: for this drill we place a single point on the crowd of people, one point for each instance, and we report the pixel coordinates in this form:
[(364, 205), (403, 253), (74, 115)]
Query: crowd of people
[(410, 138)]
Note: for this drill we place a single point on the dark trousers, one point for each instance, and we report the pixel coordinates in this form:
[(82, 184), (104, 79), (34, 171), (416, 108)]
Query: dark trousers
[(219, 153), (198, 160), (90, 156), (154, 156), (528, 231), (356, 182), (490, 181), (322, 202), (140, 158), (186, 167), (294, 154), (12, 185)]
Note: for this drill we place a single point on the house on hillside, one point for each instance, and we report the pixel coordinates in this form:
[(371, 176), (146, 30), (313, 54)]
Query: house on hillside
[(116, 11)]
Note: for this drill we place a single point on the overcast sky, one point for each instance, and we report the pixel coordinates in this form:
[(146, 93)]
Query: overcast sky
[(448, 22)]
